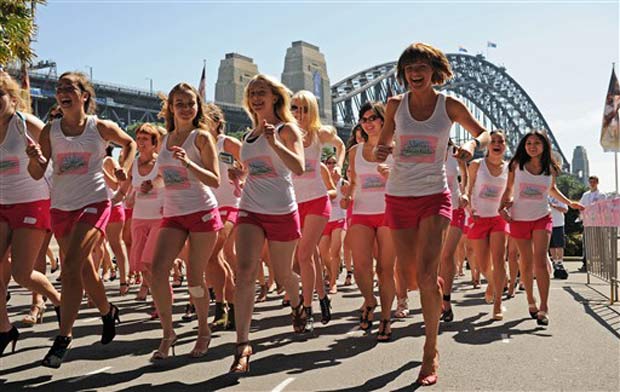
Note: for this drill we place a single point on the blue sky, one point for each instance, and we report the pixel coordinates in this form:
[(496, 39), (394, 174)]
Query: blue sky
[(560, 53)]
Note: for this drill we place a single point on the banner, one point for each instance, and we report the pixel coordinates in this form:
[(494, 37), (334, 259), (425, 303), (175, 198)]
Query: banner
[(610, 131), (604, 213)]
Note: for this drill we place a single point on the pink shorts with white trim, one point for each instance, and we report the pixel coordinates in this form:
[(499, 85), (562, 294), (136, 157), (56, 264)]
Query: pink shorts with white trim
[(406, 212), (483, 227), (95, 215), (32, 215), (196, 222), (144, 239), (117, 214), (319, 206), (229, 214), (522, 230), (331, 226), (374, 221), (282, 228), (458, 218)]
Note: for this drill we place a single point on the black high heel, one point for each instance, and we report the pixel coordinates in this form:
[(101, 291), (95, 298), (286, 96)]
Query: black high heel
[(54, 357), (109, 325), (11, 335)]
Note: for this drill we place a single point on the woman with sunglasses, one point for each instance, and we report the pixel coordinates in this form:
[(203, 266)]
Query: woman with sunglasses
[(312, 201), (418, 205), (80, 208)]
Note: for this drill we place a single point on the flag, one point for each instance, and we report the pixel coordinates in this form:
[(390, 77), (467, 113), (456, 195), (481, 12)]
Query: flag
[(610, 130), (491, 44), (202, 86), (462, 49), (25, 86)]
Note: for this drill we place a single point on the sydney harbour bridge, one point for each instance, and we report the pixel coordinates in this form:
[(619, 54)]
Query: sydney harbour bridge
[(491, 94)]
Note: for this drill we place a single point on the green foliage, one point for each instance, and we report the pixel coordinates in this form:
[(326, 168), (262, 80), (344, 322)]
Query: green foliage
[(572, 188), (17, 29), (237, 134)]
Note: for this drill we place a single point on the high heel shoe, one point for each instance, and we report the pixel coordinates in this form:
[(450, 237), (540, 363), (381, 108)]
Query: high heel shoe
[(11, 335), (426, 379), (241, 364), (160, 355), (299, 316), (533, 310), (365, 321), (542, 318), (382, 334), (35, 316), (196, 353), (54, 269), (109, 325), (54, 357)]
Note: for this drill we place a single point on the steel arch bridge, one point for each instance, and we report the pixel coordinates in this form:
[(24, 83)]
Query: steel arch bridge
[(493, 96)]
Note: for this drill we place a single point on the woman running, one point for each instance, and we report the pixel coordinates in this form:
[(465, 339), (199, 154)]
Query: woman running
[(312, 201), (418, 205), (368, 179), (531, 179), (80, 207), (489, 230), (271, 152), (24, 208), (187, 162), (454, 169)]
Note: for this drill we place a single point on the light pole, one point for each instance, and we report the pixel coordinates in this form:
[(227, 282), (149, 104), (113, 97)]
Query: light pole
[(91, 72), (150, 84)]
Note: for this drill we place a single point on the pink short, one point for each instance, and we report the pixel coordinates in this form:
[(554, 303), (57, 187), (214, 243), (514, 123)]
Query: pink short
[(229, 214), (331, 226), (458, 218), (196, 222), (374, 221), (319, 206), (283, 228), (95, 215), (128, 213), (483, 227), (117, 214), (523, 229), (406, 212), (144, 238), (33, 215)]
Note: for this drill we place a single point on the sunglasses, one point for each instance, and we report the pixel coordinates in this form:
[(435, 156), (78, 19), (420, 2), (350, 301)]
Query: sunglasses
[(295, 108), (370, 118)]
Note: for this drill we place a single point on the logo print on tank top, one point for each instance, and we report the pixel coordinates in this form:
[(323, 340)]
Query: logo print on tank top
[(175, 177), (532, 191), (9, 166), (74, 163), (490, 192), (261, 167), (372, 183), (418, 148), (309, 172)]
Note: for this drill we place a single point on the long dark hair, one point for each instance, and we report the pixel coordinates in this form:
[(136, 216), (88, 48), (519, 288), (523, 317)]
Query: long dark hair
[(352, 140), (547, 160)]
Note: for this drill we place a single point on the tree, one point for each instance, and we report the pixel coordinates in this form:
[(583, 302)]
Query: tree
[(17, 28)]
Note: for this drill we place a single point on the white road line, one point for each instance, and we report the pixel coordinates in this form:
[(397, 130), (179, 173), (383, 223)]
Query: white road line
[(280, 387), (91, 320), (91, 374), (505, 338)]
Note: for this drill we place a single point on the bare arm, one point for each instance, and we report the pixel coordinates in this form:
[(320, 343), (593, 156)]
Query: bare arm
[(291, 149), (347, 196), (385, 145), (209, 172), (459, 113), (506, 202), (36, 169), (109, 168), (469, 186), (111, 132), (329, 183), (326, 137), (555, 192)]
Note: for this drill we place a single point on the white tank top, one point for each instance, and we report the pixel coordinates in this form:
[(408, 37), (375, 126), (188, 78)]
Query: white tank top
[(16, 184), (488, 190), (337, 212), (370, 185), (183, 193), (452, 174), (224, 194), (419, 152), (530, 196), (77, 179), (310, 185), (147, 205), (268, 188)]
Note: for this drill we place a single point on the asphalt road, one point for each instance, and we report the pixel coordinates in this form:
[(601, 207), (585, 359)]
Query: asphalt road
[(579, 351)]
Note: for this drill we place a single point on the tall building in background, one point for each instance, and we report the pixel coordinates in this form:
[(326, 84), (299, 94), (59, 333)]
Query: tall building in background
[(234, 73), (305, 69), (581, 166)]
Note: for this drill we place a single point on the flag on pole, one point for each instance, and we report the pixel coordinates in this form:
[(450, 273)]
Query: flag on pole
[(491, 44), (25, 85), (202, 86), (462, 49), (610, 131)]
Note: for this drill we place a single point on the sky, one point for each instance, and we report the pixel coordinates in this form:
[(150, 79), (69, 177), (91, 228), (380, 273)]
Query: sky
[(561, 53)]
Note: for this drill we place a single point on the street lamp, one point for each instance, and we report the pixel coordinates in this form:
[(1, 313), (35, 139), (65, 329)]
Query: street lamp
[(91, 72), (150, 84)]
